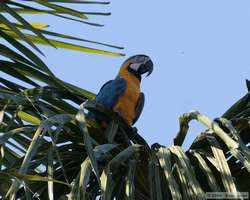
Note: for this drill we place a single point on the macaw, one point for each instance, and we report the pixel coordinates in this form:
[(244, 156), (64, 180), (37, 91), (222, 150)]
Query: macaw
[(123, 94)]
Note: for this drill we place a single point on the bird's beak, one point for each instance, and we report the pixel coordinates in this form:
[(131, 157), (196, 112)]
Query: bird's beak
[(147, 67)]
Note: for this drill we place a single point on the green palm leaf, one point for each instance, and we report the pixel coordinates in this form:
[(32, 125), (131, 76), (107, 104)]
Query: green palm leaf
[(39, 37)]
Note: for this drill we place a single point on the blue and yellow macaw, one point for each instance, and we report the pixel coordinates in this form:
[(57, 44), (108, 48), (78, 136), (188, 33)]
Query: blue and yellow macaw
[(123, 94)]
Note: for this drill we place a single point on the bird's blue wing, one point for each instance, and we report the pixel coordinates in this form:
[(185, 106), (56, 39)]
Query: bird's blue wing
[(111, 91), (139, 107)]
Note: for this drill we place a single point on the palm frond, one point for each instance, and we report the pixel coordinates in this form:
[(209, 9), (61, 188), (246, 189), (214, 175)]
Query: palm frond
[(116, 162), (16, 29)]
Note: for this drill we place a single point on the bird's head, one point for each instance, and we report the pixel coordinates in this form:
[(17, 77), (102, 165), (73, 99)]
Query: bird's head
[(138, 65)]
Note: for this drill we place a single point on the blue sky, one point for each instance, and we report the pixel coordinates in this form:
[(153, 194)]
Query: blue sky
[(200, 50)]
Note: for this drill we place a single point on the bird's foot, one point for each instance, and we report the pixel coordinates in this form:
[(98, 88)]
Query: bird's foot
[(134, 130)]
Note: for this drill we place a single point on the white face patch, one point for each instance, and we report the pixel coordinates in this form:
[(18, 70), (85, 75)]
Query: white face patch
[(135, 66)]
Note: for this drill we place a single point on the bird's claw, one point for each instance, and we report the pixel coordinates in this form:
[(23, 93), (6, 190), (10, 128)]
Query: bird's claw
[(134, 130)]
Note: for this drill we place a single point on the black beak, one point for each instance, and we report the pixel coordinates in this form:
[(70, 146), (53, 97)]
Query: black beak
[(146, 67)]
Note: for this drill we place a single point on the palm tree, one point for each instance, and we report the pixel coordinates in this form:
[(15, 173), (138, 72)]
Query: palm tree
[(49, 150)]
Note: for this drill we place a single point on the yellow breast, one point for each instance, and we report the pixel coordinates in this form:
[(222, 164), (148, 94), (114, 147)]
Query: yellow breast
[(126, 104)]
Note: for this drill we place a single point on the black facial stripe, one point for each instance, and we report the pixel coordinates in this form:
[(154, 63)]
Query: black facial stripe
[(135, 73)]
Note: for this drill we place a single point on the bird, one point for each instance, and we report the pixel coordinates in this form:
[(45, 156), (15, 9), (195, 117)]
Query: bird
[(123, 94)]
